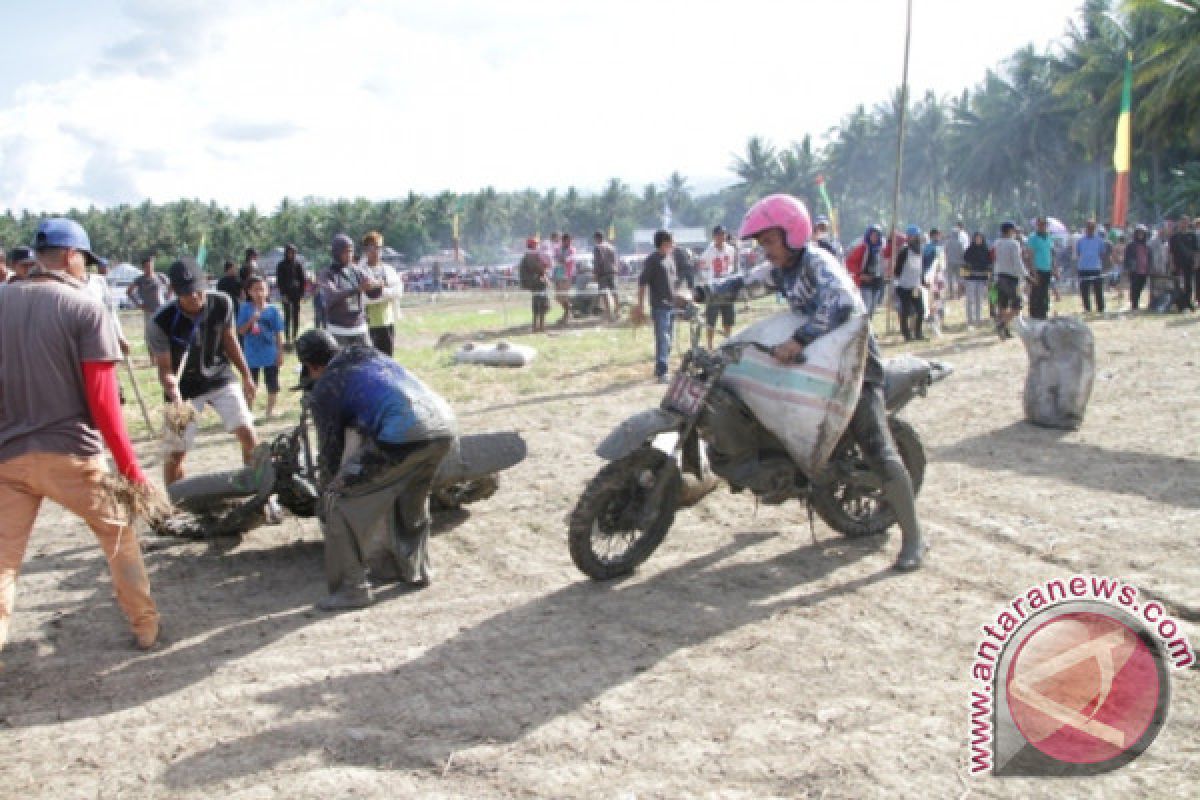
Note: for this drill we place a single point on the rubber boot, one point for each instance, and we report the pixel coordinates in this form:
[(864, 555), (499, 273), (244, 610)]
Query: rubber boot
[(898, 493), (346, 598)]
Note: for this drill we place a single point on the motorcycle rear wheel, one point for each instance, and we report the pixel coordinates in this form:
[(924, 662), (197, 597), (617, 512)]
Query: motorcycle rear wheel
[(860, 511), (603, 535)]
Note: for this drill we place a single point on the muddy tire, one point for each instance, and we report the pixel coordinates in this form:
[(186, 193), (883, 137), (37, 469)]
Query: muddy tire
[(604, 535), (860, 511)]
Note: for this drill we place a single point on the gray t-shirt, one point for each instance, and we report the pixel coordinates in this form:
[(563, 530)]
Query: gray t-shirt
[(48, 327), (151, 292)]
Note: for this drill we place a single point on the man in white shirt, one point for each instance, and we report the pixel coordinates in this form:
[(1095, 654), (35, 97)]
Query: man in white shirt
[(717, 262)]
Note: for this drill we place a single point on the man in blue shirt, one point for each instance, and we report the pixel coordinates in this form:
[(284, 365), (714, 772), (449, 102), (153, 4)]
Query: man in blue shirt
[(1090, 252), (406, 429), (1041, 248)]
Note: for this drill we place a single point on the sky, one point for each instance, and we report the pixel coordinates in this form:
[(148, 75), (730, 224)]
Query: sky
[(104, 102)]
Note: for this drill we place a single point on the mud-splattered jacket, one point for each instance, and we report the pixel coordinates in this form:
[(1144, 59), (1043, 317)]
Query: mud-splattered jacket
[(817, 288), (369, 392)]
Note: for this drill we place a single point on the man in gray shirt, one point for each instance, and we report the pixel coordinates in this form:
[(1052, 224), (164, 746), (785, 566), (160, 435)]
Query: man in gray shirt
[(149, 291), (954, 247)]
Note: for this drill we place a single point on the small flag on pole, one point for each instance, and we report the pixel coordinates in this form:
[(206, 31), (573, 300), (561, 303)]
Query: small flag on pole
[(201, 253), (1121, 150)]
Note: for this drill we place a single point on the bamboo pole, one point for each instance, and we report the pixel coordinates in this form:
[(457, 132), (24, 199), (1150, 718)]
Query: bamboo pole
[(890, 287)]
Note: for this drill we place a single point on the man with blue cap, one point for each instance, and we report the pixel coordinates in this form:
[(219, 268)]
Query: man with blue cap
[(58, 356)]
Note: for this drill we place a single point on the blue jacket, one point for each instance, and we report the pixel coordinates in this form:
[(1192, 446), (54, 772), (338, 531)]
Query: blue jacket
[(365, 390)]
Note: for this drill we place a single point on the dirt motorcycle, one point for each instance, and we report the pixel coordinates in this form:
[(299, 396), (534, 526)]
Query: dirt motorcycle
[(670, 457), (283, 473)]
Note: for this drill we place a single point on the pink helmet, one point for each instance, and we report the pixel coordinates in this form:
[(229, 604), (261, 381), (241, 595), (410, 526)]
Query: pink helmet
[(778, 211)]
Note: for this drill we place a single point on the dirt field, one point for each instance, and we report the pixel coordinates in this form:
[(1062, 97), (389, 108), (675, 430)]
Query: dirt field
[(745, 659)]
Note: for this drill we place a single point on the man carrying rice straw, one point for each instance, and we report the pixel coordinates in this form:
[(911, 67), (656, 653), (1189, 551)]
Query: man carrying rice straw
[(59, 408)]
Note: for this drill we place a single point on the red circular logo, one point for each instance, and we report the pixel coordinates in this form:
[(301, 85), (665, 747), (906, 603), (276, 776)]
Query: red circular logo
[(1083, 688)]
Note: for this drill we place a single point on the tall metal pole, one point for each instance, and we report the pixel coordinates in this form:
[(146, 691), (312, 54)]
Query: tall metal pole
[(890, 289)]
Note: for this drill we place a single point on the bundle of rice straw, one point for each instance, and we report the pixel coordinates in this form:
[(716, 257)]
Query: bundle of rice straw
[(177, 416), (139, 501)]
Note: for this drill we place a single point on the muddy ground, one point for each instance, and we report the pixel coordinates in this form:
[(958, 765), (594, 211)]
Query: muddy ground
[(749, 657)]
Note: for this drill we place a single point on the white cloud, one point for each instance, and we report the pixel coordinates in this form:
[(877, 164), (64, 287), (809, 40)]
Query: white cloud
[(253, 102)]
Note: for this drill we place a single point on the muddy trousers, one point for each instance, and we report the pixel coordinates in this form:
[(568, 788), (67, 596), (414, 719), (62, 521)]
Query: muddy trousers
[(75, 483), (870, 430), (380, 520)]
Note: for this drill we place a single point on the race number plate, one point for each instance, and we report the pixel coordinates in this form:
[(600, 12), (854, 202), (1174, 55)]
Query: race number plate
[(685, 394)]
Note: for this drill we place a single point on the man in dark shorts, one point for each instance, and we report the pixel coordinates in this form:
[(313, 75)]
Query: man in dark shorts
[(1009, 269), (718, 262), (604, 264)]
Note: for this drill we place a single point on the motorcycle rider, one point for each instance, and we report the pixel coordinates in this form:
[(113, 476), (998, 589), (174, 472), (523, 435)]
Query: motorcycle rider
[(821, 291), (406, 428)]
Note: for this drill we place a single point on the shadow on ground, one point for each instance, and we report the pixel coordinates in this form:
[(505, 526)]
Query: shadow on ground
[(1028, 449), (522, 668)]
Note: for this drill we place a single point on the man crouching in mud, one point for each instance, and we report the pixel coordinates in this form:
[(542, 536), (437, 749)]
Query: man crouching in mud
[(406, 429), (817, 286)]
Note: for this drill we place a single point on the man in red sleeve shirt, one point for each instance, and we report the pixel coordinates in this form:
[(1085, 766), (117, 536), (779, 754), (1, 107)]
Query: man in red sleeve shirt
[(58, 410)]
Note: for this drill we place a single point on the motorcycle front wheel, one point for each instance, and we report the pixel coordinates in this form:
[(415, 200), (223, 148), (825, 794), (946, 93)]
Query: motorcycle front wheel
[(608, 534), (858, 510)]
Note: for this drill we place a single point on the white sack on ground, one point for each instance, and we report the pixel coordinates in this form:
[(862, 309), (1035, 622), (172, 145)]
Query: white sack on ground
[(809, 405), (500, 354), (1062, 366)]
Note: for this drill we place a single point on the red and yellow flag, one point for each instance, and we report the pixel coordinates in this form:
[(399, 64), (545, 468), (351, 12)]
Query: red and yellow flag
[(1120, 206)]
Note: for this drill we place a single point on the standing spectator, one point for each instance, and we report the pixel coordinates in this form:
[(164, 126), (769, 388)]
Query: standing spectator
[(532, 274), (685, 267), (977, 272), (97, 287), (58, 378), (604, 262), (717, 263), (866, 263), (1089, 253), (5, 275), (20, 261), (564, 271), (933, 267), (435, 275), (1041, 250), (344, 287), (231, 285), (656, 277), (261, 327), (148, 292), (193, 343), (1182, 247), (249, 267), (956, 247), (910, 279), (319, 318), (291, 279), (1137, 262), (1009, 269), (381, 309), (823, 238)]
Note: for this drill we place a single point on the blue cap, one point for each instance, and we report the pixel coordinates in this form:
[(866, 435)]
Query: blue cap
[(63, 232), (912, 230)]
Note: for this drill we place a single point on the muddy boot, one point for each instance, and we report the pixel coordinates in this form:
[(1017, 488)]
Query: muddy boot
[(347, 598), (898, 492)]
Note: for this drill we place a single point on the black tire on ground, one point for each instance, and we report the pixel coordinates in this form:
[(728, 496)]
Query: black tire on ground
[(855, 512), (607, 512)]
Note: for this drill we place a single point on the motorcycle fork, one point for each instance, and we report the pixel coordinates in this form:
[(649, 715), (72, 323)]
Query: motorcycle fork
[(675, 460)]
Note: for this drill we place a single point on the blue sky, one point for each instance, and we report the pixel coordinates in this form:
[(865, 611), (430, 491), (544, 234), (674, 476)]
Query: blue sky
[(106, 102)]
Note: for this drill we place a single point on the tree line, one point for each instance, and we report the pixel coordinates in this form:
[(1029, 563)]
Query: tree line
[(1034, 136)]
